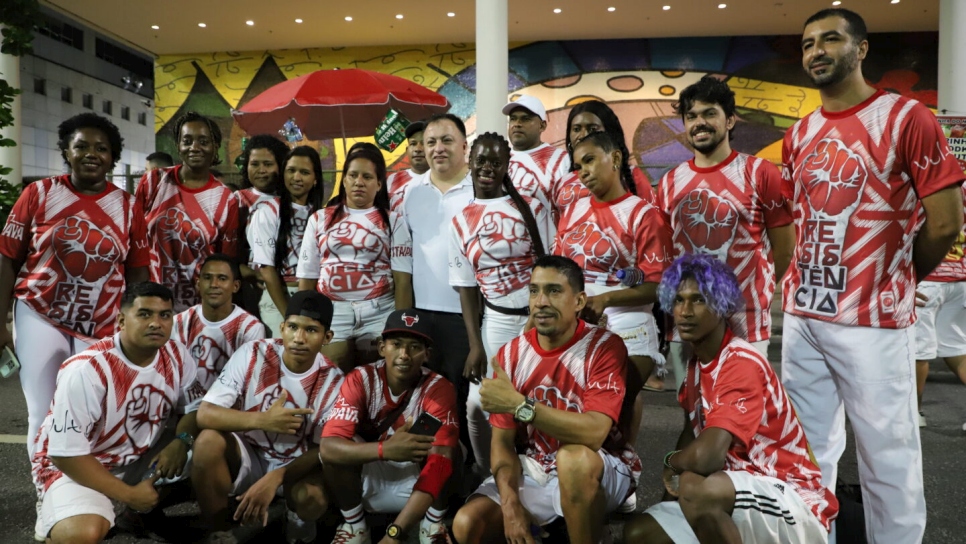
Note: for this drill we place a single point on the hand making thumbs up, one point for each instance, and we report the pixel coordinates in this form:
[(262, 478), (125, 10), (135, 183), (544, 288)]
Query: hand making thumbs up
[(282, 420), (497, 395)]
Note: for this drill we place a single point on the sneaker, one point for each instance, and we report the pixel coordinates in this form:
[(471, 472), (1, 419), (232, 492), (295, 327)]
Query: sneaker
[(39, 524), (433, 533), (221, 537), (922, 420), (629, 506), (298, 531), (345, 535)]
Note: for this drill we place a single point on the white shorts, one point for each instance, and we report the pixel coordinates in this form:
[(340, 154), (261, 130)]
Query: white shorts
[(253, 466), (941, 323), (634, 324), (767, 511), (387, 485), (543, 501), (362, 320)]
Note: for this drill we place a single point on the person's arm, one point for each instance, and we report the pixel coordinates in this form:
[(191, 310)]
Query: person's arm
[(506, 469), (134, 275), (782, 246), (89, 472), (705, 454), (8, 278), (475, 364), (944, 221), (419, 501), (254, 502), (402, 446), (277, 419), (307, 271), (276, 287), (402, 289), (307, 284), (170, 462)]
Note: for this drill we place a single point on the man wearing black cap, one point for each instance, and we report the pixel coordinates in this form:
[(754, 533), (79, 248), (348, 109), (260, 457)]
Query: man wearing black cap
[(380, 449), (417, 163), (262, 420)]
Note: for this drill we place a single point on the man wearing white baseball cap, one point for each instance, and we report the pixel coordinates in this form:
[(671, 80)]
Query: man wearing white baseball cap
[(536, 168)]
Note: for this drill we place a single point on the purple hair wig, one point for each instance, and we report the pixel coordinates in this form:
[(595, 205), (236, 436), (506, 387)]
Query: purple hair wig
[(716, 281)]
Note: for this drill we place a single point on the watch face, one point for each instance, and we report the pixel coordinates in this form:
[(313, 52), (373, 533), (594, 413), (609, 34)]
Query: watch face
[(393, 531), (525, 414)]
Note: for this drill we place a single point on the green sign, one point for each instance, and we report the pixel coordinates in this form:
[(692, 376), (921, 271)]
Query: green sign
[(391, 131)]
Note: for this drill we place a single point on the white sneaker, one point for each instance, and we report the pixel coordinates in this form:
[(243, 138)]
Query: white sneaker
[(629, 506), (922, 420), (298, 531), (345, 534), (39, 535), (433, 533)]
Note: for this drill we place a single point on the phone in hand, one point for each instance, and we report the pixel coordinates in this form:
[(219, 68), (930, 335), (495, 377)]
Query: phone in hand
[(9, 364), (426, 425)]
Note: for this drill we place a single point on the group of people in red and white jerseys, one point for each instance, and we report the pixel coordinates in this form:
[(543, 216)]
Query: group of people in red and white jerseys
[(497, 294)]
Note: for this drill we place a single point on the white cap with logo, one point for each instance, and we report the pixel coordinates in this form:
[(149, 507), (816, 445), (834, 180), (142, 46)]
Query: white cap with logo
[(528, 103)]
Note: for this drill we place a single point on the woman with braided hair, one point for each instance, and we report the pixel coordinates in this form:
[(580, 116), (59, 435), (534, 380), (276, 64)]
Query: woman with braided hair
[(494, 242), (276, 232)]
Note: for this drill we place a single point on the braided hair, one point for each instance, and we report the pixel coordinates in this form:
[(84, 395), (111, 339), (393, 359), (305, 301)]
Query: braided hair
[(612, 126), (285, 202), (213, 129), (372, 154), (528, 219)]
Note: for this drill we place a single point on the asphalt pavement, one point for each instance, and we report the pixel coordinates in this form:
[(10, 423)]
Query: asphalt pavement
[(943, 442)]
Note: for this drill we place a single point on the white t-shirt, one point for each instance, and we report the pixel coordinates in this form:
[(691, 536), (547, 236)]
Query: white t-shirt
[(263, 233)]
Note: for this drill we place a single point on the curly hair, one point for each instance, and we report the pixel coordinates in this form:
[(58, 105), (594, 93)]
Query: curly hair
[(67, 129), (264, 141), (612, 126), (213, 129), (709, 90), (716, 281)]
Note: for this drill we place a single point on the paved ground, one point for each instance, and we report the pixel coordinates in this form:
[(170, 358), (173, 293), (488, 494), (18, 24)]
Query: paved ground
[(944, 444)]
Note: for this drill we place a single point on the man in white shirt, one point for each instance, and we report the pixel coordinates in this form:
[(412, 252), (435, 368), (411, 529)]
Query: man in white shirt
[(536, 168)]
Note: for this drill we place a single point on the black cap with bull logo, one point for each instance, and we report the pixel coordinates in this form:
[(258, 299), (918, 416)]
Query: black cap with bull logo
[(410, 321)]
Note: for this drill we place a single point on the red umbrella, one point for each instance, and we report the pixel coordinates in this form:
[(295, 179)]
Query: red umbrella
[(337, 103)]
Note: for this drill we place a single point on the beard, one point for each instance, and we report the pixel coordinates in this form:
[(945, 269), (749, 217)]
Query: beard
[(839, 70), (708, 145)]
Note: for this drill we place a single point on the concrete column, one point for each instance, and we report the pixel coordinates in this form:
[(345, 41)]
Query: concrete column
[(10, 156), (492, 53), (952, 57)]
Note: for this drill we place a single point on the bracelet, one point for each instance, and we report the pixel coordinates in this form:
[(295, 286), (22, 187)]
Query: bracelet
[(667, 460), (380, 450), (187, 439)]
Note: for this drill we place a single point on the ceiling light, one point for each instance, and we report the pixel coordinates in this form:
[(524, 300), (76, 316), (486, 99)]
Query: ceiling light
[(667, 8), (557, 10), (400, 16), (348, 18), (451, 14), (156, 27), (250, 23), (202, 25), (612, 9), (895, 1), (299, 21), (722, 6), (836, 3)]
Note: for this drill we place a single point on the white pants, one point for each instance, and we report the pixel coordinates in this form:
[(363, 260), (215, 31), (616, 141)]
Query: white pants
[(767, 511), (679, 353), (497, 330), (41, 348), (941, 324), (830, 371), (271, 317)]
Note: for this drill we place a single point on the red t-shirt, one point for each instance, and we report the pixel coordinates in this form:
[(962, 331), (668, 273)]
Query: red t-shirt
[(857, 177), (569, 190), (75, 250)]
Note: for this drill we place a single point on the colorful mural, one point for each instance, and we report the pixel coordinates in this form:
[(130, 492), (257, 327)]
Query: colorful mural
[(640, 78)]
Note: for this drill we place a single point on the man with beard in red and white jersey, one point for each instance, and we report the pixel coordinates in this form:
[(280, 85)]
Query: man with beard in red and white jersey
[(562, 383), (418, 165), (102, 439), (371, 453), (729, 205), (741, 470), (261, 422), (189, 213), (213, 330), (876, 207), (536, 168)]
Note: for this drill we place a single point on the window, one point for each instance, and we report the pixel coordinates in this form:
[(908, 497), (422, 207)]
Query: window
[(67, 95), (142, 118), (40, 86), (88, 101), (119, 56), (107, 107), (61, 32), (125, 113)]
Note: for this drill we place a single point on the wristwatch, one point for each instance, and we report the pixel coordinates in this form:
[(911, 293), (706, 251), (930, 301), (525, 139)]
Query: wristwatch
[(525, 412), (187, 439), (395, 532)]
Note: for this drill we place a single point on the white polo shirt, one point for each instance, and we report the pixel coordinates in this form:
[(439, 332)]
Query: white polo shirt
[(429, 213)]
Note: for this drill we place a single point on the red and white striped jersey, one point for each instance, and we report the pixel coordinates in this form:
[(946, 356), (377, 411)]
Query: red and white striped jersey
[(365, 402), (587, 374), (604, 237), (397, 186), (185, 226), (491, 247), (211, 344), (953, 266), (726, 211), (75, 250), (106, 406), (536, 172), (740, 393), (263, 233), (857, 177), (354, 258), (570, 190), (254, 379)]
